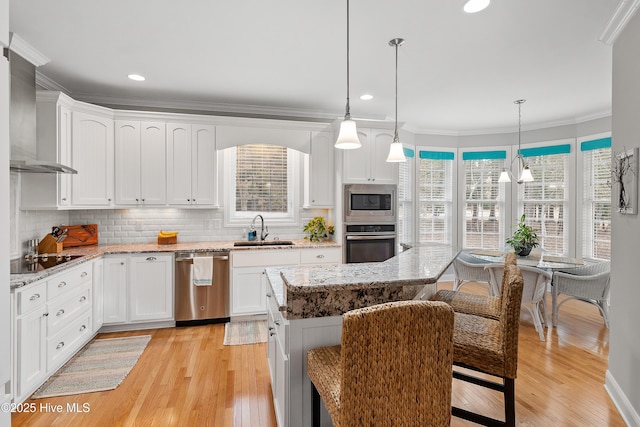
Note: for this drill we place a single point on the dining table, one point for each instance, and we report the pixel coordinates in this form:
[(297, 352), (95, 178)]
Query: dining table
[(537, 258)]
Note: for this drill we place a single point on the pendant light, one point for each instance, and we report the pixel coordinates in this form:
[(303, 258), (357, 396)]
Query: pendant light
[(348, 135), (525, 176), (396, 151)]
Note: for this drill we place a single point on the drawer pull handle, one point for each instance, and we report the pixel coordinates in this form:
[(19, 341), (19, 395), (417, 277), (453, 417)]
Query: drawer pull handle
[(83, 298), (277, 322), (34, 297), (320, 256), (271, 328), (84, 274), (62, 284), (60, 312), (45, 314), (268, 295), (82, 328), (60, 345), (271, 334), (151, 258)]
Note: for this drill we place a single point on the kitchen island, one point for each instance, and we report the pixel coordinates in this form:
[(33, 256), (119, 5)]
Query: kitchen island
[(306, 304)]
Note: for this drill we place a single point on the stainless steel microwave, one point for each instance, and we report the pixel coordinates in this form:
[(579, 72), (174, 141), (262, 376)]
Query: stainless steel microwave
[(367, 203)]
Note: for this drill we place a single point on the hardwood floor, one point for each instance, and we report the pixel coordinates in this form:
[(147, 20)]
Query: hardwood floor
[(186, 377)]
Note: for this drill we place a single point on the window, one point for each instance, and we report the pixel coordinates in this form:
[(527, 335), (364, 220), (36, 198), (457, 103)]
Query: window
[(405, 198), (435, 195), (596, 199), (545, 200), (261, 181), (483, 223)]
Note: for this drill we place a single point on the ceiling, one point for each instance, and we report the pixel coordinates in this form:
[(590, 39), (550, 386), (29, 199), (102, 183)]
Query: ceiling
[(457, 73)]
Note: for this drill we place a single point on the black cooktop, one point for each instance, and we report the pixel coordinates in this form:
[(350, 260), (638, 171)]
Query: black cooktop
[(39, 263)]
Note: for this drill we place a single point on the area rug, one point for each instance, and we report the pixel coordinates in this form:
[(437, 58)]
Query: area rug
[(101, 365), (249, 332)]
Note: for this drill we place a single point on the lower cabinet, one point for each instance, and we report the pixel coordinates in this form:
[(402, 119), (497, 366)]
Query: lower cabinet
[(52, 321), (278, 358), (138, 288)]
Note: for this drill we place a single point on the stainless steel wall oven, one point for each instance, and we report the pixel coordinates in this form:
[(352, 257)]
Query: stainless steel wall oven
[(369, 242)]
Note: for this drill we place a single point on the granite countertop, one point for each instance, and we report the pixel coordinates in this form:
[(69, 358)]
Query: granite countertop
[(94, 251), (326, 290)]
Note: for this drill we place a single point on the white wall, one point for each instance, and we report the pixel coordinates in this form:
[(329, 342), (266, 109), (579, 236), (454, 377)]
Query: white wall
[(623, 376)]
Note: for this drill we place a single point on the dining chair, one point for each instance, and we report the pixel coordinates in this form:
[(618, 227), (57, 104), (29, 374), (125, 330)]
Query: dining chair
[(589, 283), (536, 282), (394, 367), (490, 346), (467, 268)]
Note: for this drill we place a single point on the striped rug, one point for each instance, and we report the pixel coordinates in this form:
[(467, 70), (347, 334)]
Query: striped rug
[(101, 365), (249, 332)]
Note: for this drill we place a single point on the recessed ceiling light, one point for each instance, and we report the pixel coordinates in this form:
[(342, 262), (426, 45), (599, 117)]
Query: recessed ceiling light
[(366, 97), (136, 77), (473, 6)]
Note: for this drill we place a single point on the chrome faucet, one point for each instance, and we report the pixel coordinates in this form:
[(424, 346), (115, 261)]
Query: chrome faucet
[(264, 231)]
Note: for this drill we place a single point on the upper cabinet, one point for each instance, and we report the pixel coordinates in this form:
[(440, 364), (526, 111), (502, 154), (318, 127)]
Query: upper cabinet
[(92, 154), (140, 163), (320, 183), (368, 164), (191, 161)]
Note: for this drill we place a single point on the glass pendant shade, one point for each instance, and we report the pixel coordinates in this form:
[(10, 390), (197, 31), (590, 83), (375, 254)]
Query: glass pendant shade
[(526, 175), (396, 152), (504, 176), (348, 136), (473, 6)]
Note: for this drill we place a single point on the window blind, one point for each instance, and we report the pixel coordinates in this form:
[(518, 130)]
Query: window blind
[(596, 208), (435, 192), (261, 178), (405, 198)]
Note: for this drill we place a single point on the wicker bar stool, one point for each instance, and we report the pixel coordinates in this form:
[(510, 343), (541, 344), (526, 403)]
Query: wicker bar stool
[(479, 305), (490, 346), (393, 368)]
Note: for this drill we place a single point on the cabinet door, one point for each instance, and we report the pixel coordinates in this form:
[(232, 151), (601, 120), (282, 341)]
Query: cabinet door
[(151, 288), (115, 290), (98, 294), (31, 351), (179, 164), (153, 163), (381, 171), (92, 152), (127, 162), (248, 295), (203, 161), (356, 163), (64, 153), (321, 170)]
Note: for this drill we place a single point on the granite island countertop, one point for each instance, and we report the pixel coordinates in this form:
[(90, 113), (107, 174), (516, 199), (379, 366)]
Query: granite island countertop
[(331, 290), (94, 251)]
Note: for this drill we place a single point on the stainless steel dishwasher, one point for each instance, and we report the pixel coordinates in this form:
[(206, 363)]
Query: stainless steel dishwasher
[(201, 304)]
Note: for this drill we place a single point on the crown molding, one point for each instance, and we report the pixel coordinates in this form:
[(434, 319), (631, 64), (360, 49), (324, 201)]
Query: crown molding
[(25, 50), (618, 20), (48, 84)]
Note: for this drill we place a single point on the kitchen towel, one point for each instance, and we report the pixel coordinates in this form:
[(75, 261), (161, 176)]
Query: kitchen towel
[(202, 271)]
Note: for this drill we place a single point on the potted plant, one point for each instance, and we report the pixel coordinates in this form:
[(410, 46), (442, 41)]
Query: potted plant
[(524, 238), (318, 229)]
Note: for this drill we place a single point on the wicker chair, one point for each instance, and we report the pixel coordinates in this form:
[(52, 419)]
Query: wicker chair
[(479, 305), (466, 268), (535, 286), (490, 346), (393, 368), (589, 284)]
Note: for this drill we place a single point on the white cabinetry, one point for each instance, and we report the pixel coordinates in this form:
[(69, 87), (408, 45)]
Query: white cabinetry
[(138, 288), (191, 161), (92, 154), (320, 170), (98, 294), (52, 322), (140, 163), (368, 164), (278, 358)]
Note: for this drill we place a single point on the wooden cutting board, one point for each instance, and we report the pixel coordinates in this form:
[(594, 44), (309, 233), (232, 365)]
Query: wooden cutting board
[(80, 235)]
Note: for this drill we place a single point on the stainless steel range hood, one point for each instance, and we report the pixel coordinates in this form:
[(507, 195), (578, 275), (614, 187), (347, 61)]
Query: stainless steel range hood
[(22, 120)]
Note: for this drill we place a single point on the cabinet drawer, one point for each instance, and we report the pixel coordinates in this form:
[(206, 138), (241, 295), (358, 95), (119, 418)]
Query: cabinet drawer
[(321, 256), (59, 284), (66, 308), (62, 345), (31, 298), (277, 321), (265, 258)]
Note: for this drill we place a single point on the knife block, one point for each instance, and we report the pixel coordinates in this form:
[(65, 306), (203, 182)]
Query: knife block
[(49, 245)]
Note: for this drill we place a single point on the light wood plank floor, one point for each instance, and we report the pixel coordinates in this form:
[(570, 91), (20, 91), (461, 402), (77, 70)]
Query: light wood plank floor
[(186, 377)]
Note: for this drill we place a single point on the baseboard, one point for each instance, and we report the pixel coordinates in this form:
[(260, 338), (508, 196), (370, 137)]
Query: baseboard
[(248, 317), (626, 410), (121, 327)]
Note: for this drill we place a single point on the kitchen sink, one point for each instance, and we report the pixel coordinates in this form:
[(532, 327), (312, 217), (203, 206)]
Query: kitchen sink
[(264, 243)]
